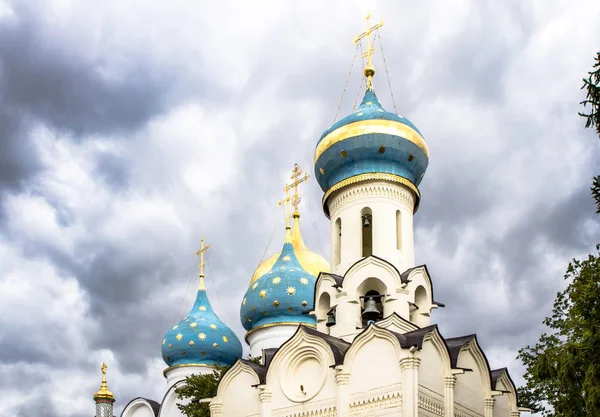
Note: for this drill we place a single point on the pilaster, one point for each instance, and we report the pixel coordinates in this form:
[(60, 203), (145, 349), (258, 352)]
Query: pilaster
[(489, 407), (342, 379), (216, 409), (265, 401), (449, 383), (410, 386)]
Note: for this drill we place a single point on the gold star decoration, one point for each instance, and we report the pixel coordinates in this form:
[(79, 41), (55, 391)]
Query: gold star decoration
[(411, 157), (202, 308), (253, 308), (183, 353), (263, 293), (191, 343), (179, 336), (175, 327), (244, 302), (213, 326), (164, 341), (170, 346), (291, 290), (304, 303), (225, 339), (276, 303), (203, 353), (290, 309), (255, 285), (287, 258), (193, 324), (266, 313), (322, 171), (344, 153), (303, 281), (201, 336), (249, 319), (276, 280), (215, 345), (382, 149)]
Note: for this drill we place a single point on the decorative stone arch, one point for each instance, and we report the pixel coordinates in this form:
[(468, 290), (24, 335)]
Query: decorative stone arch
[(138, 407), (396, 323), (235, 393), (168, 407), (473, 350), (371, 333), (325, 284), (300, 367), (435, 338), (369, 267), (238, 368), (507, 387)]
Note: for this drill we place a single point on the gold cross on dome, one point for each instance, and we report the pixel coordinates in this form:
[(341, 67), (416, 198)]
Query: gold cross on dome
[(369, 68), (297, 179), (103, 369), (201, 264), (286, 206)]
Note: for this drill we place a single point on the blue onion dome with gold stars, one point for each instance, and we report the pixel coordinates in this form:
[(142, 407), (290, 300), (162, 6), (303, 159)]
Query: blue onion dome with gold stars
[(371, 143), (201, 338), (281, 294)]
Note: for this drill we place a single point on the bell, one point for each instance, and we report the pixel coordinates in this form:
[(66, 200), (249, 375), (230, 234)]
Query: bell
[(330, 319), (370, 312), (366, 222)]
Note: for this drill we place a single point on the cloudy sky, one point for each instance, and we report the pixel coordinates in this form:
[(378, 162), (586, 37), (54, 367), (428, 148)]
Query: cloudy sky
[(128, 130)]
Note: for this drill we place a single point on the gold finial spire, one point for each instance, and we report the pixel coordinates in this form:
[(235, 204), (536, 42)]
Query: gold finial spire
[(103, 392), (201, 264), (297, 179), (369, 68)]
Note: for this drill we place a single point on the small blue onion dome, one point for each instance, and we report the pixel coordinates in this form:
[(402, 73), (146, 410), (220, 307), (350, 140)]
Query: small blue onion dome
[(282, 294), (201, 338), (370, 143)]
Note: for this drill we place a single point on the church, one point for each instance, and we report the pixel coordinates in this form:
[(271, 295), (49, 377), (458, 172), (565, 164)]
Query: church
[(351, 336)]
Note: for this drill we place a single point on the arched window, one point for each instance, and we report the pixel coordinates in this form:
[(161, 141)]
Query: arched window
[(398, 230), (366, 221), (419, 310), (323, 307), (337, 242)]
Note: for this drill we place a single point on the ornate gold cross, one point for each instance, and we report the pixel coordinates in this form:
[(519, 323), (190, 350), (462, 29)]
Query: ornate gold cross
[(286, 206), (369, 68), (297, 179), (103, 369), (201, 264)]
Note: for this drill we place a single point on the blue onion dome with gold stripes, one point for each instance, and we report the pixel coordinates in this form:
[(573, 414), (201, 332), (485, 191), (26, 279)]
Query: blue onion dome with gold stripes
[(282, 294), (370, 143), (201, 338)]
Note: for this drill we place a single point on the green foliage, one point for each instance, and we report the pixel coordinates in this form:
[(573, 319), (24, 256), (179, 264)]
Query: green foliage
[(198, 387), (563, 370), (592, 86), (596, 192)]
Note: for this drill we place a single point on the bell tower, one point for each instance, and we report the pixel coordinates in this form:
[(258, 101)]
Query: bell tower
[(369, 165)]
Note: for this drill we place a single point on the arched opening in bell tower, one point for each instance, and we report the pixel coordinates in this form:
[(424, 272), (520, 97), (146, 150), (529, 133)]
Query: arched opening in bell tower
[(337, 242), (366, 219), (398, 230)]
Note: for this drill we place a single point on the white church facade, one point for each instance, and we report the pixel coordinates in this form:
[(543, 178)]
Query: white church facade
[(351, 336)]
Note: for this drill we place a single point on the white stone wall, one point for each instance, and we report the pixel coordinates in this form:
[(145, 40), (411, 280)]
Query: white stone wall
[(383, 199)]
